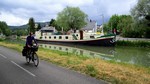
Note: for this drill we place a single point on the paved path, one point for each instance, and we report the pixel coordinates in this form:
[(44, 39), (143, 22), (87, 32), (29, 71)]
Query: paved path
[(131, 39), (15, 70)]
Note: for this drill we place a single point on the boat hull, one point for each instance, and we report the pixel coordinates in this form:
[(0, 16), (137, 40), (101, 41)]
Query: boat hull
[(92, 42)]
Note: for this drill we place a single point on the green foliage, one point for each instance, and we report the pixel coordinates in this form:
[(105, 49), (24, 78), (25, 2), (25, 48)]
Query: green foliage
[(38, 27), (31, 24), (126, 26), (16, 41), (106, 28), (20, 31), (123, 24), (90, 69), (141, 14), (141, 10), (113, 22), (54, 23), (129, 27), (4, 28), (133, 43), (71, 18)]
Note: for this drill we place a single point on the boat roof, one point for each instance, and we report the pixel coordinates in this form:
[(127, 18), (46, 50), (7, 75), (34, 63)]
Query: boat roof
[(48, 28), (90, 25)]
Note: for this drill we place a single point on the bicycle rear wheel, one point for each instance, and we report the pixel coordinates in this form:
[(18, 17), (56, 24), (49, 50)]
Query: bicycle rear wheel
[(28, 59), (36, 60)]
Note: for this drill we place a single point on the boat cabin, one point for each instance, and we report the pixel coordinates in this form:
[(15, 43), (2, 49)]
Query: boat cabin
[(87, 32)]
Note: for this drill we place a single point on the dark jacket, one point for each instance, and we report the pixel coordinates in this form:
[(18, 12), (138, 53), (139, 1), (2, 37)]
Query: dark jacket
[(29, 40)]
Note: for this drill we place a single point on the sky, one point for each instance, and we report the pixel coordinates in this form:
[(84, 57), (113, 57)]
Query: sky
[(18, 12)]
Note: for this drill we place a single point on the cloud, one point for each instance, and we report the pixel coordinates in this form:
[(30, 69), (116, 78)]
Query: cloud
[(45, 10), (12, 19), (107, 8)]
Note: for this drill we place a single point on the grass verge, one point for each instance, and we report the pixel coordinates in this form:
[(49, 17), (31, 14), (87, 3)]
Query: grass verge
[(112, 72)]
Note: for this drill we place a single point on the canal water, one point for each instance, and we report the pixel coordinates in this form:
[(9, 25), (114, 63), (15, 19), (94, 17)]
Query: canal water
[(131, 55)]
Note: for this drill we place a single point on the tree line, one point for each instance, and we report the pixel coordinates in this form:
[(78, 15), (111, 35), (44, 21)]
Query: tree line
[(4, 29), (135, 25), (70, 18)]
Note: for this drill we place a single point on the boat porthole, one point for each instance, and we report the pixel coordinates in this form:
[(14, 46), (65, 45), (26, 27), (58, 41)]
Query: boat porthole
[(60, 37), (54, 37), (66, 37)]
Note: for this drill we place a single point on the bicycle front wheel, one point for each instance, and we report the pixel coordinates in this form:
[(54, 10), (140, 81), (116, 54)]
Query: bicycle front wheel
[(36, 60)]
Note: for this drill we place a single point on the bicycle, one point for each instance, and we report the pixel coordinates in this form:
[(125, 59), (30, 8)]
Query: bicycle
[(31, 55)]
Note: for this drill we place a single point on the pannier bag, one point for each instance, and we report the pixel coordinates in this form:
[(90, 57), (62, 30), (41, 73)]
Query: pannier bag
[(24, 51)]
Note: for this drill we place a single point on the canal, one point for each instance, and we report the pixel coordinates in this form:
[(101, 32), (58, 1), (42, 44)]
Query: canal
[(131, 55)]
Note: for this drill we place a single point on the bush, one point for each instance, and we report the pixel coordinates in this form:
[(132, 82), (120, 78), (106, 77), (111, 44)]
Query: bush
[(132, 33)]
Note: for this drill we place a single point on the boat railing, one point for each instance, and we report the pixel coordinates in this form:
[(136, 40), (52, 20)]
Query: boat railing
[(74, 37)]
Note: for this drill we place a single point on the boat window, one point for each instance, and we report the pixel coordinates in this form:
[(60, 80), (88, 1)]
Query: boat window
[(54, 37), (50, 37), (60, 48), (91, 36), (40, 37), (66, 37), (77, 35), (92, 54), (45, 37), (60, 37)]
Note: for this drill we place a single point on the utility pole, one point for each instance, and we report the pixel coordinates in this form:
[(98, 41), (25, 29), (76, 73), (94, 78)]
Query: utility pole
[(102, 23), (103, 18)]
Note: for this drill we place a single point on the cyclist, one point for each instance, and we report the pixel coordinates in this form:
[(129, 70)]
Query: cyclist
[(29, 41)]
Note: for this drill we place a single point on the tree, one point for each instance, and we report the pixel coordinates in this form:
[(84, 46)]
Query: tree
[(38, 27), (71, 18), (148, 18), (123, 24), (20, 31), (141, 13), (141, 10), (126, 27), (53, 23), (4, 28), (113, 22), (106, 28), (31, 24)]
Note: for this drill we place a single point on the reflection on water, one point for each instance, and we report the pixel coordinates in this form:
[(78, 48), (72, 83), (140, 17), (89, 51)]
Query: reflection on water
[(138, 56), (80, 50)]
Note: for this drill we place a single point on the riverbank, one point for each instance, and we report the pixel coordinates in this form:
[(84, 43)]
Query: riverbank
[(132, 42), (106, 70)]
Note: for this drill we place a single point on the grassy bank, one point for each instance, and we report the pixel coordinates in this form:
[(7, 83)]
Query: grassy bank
[(133, 43), (109, 71)]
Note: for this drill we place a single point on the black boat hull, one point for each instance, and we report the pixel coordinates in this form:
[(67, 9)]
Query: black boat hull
[(92, 42)]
